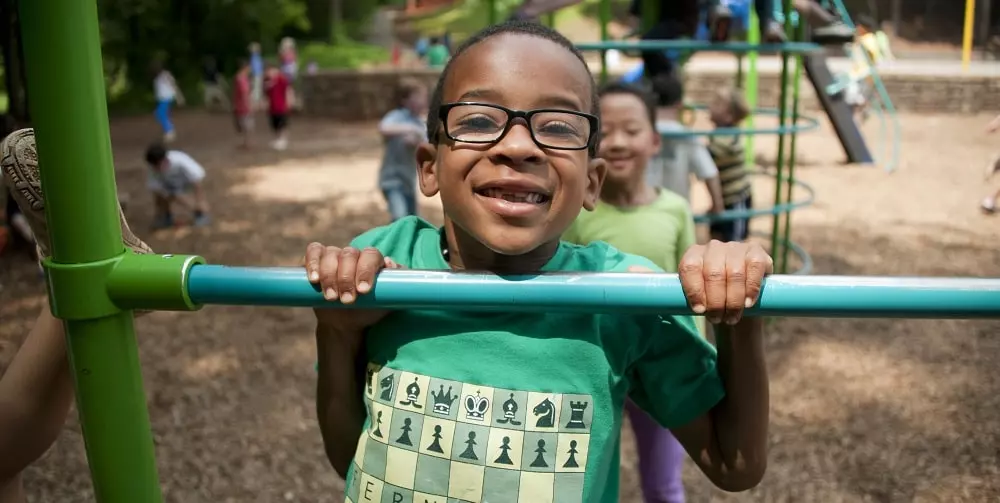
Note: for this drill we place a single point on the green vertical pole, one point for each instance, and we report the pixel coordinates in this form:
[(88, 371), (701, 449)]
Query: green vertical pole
[(604, 15), (776, 232), (491, 6), (62, 48), (793, 149), (751, 89), (550, 20)]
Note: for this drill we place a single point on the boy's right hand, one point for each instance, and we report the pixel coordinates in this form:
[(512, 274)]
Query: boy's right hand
[(342, 274)]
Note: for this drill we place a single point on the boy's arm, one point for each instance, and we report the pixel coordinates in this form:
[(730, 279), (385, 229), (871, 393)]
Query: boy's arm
[(339, 394), (35, 396), (729, 443), (200, 198), (394, 125)]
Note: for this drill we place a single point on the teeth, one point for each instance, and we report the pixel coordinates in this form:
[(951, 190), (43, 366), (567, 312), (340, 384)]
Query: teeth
[(514, 197)]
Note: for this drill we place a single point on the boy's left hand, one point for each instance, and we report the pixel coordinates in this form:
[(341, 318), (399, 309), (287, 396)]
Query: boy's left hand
[(720, 280)]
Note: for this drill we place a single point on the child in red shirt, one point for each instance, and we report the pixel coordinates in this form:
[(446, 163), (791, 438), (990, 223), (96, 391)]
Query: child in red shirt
[(277, 86), (242, 108)]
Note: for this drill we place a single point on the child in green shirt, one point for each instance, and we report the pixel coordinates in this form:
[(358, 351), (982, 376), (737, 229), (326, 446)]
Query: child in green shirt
[(431, 405), (647, 221), (437, 53)]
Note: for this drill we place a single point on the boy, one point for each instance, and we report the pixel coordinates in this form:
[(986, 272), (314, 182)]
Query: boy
[(869, 50), (402, 129), (643, 220), (36, 390), (277, 102), (522, 406), (242, 104), (680, 158), (175, 178), (256, 75), (727, 110), (213, 85)]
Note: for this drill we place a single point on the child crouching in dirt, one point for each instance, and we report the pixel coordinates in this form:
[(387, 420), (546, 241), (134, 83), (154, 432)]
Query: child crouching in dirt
[(176, 179), (475, 402), (402, 129)]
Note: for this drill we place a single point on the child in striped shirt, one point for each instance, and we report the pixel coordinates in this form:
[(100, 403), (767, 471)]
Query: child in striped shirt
[(727, 110)]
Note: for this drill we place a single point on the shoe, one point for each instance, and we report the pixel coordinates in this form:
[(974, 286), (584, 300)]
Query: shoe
[(773, 33), (19, 163), (720, 20), (169, 136), (989, 205), (835, 34), (202, 220)]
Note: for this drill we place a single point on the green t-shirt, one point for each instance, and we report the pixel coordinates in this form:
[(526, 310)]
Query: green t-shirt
[(660, 231), (437, 55), (515, 407)]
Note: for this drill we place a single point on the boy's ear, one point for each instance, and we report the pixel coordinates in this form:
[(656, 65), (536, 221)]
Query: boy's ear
[(427, 168), (597, 169)]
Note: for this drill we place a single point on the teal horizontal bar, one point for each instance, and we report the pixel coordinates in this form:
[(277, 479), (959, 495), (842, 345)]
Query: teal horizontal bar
[(698, 46), (782, 295)]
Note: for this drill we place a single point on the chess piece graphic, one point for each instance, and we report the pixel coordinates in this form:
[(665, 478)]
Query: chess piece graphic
[(470, 452), (546, 412), (405, 437), (539, 461), (571, 462), (509, 412), (378, 425), (443, 401), (476, 407), (576, 410), (436, 445), (369, 378), (504, 458), (412, 395), (386, 385)]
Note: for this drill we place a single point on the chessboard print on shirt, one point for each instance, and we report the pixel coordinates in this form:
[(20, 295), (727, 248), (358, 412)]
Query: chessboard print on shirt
[(431, 440)]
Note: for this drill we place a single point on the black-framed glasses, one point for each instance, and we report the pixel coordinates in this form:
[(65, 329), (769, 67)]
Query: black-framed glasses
[(470, 122)]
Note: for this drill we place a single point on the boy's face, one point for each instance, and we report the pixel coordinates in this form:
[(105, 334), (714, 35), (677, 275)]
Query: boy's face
[(513, 196), (628, 140), (720, 113), (417, 101)]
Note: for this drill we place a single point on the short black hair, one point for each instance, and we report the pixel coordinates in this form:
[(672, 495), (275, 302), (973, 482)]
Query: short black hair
[(643, 95), (669, 89), (866, 21), (512, 27), (155, 154)]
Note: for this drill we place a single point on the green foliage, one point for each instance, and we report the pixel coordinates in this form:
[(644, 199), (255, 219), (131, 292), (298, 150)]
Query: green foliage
[(346, 55)]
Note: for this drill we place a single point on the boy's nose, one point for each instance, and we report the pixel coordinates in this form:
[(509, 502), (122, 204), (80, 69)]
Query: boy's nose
[(517, 146)]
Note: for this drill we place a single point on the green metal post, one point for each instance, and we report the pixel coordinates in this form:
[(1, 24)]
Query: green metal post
[(776, 232), (550, 20), (793, 150), (62, 48), (751, 87), (604, 15), (492, 16)]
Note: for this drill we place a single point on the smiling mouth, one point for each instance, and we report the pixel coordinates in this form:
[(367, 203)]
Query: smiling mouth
[(515, 196)]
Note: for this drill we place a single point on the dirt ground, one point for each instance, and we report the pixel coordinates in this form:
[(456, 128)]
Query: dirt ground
[(862, 410)]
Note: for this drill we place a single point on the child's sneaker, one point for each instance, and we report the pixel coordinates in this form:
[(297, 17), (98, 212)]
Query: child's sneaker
[(835, 34), (19, 163), (989, 205), (169, 137), (773, 33)]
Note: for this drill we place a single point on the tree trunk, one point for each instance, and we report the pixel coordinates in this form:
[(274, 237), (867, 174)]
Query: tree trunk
[(336, 21)]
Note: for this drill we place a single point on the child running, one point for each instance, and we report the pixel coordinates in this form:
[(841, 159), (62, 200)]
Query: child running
[(473, 406), (167, 94), (243, 104), (402, 129), (277, 85), (175, 179), (682, 157), (728, 109), (643, 220)]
